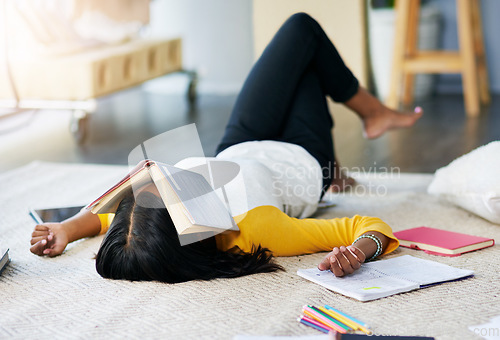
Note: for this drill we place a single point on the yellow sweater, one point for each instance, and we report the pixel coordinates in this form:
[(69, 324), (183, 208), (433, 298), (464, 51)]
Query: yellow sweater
[(287, 236)]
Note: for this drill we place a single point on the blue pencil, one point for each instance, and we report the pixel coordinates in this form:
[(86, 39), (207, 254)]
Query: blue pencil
[(307, 323), (361, 323)]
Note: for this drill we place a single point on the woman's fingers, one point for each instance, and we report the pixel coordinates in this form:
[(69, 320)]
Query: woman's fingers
[(40, 233), (48, 237), (54, 250), (325, 264), (39, 247), (37, 239), (44, 242), (353, 260), (334, 265), (344, 262), (41, 227), (358, 253)]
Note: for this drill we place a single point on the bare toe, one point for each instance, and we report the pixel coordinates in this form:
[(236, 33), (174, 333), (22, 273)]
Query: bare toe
[(341, 184), (386, 119)]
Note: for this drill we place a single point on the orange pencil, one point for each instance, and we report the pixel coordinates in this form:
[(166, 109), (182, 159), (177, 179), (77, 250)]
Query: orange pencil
[(318, 317)]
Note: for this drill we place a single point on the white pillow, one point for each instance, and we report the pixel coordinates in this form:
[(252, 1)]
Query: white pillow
[(472, 182)]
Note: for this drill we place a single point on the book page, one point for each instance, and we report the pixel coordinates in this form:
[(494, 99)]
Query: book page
[(171, 201), (365, 284), (422, 272), (109, 202), (202, 205)]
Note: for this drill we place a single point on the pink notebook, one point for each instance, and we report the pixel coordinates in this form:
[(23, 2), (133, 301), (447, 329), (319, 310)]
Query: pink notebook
[(441, 242)]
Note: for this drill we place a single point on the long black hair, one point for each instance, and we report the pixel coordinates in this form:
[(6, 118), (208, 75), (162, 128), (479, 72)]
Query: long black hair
[(142, 245)]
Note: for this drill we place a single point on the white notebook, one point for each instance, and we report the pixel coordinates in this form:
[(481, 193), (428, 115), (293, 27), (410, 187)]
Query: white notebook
[(375, 280)]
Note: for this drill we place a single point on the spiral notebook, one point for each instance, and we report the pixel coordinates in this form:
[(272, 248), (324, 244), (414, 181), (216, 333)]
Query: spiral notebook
[(375, 280)]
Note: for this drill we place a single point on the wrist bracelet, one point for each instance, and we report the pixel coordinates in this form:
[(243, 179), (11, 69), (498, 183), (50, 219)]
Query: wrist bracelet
[(374, 239)]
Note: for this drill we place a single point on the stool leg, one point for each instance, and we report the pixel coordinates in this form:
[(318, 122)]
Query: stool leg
[(402, 16), (484, 91), (469, 72), (411, 50)]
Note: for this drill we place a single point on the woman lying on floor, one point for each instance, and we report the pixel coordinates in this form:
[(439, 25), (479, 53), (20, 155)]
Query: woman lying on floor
[(280, 124)]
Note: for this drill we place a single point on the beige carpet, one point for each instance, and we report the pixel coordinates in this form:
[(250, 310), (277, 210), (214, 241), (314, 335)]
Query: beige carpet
[(64, 296)]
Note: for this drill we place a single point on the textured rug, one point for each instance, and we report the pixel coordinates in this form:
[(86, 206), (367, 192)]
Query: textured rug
[(65, 297)]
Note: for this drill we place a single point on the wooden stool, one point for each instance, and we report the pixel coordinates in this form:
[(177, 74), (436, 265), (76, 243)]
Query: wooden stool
[(469, 60)]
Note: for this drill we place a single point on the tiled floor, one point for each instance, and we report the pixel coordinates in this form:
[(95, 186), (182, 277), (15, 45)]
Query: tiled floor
[(124, 120)]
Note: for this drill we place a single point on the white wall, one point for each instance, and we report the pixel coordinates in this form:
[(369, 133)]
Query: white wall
[(490, 10), (217, 40)]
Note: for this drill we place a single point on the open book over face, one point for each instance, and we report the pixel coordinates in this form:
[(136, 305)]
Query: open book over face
[(195, 208)]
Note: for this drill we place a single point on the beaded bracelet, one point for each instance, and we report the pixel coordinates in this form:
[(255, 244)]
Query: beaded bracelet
[(374, 239)]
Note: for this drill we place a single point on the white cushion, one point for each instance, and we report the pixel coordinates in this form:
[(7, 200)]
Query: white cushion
[(472, 182)]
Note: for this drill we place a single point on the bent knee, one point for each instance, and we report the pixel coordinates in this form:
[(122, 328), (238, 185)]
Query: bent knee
[(301, 19)]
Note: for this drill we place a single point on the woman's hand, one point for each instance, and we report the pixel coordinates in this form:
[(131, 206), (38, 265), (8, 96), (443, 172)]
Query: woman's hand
[(343, 261), (49, 239), (52, 238)]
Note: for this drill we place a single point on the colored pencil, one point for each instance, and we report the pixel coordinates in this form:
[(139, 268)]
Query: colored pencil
[(317, 323), (333, 319), (318, 317), (361, 325), (307, 323), (340, 318)]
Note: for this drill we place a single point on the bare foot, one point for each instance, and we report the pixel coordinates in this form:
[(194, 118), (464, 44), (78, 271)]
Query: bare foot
[(340, 181), (376, 124), (378, 118), (341, 184)]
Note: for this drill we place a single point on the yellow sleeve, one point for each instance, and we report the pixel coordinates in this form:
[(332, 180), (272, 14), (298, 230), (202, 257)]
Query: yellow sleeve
[(288, 236), (106, 220)]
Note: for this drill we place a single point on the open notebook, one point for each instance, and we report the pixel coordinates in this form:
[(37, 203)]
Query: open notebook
[(375, 280)]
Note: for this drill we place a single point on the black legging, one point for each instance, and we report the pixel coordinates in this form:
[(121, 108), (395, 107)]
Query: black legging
[(283, 97)]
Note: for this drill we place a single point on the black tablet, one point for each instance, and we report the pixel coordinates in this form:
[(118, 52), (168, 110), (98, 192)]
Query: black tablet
[(54, 214)]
